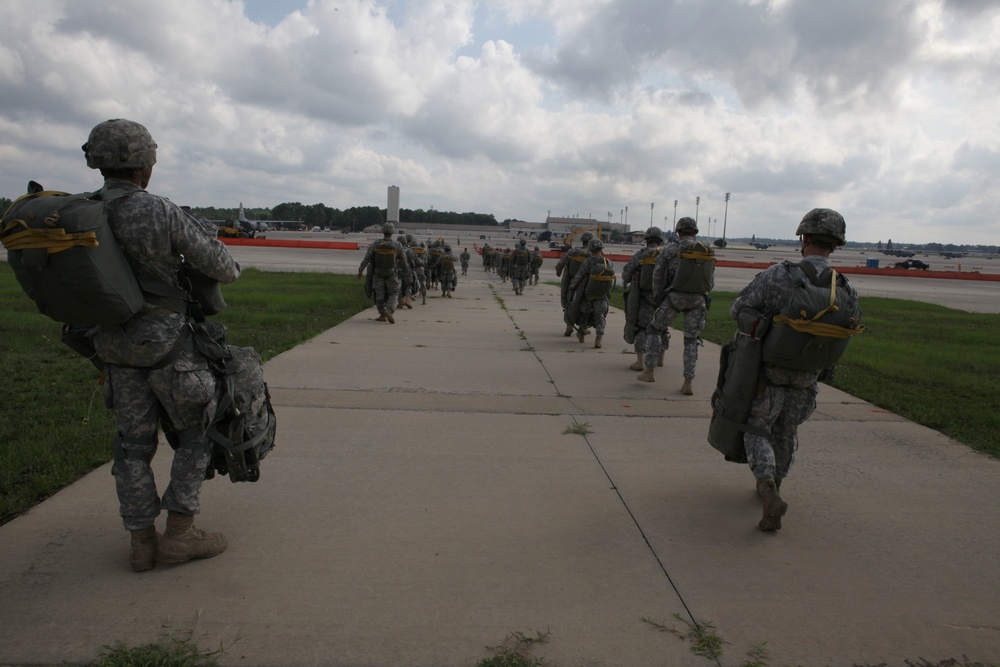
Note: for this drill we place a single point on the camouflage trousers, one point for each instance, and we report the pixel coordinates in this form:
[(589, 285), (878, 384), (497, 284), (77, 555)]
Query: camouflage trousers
[(181, 396), (593, 313), (694, 323), (386, 293), (519, 277), (778, 410), (643, 320), (419, 282), (448, 281)]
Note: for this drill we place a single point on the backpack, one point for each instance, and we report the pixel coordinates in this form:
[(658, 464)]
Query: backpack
[(67, 260), (600, 281), (244, 426), (816, 323), (695, 272), (384, 259), (446, 263), (522, 257)]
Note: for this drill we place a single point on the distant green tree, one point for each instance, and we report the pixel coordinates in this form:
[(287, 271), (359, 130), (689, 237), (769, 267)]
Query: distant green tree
[(4, 204)]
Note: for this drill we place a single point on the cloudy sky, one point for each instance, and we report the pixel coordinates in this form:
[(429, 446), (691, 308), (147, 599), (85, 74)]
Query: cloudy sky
[(887, 110)]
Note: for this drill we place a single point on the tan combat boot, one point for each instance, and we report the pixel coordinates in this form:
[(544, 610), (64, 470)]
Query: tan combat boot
[(381, 317), (659, 360), (637, 364), (423, 300), (686, 387), (774, 506), (569, 330), (406, 303), (144, 543), (388, 317), (597, 340), (182, 541), (581, 334), (646, 375)]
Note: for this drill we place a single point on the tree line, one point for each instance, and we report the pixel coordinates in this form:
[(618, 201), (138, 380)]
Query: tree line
[(352, 219)]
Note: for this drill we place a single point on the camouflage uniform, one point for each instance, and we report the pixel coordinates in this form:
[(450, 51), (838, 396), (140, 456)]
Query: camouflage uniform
[(386, 288), (536, 264), (464, 260), (591, 312), (446, 272), (647, 303), (154, 233), (693, 306), (785, 398), (520, 267), (419, 269)]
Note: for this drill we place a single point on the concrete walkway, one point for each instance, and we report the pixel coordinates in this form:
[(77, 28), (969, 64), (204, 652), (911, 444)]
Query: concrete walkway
[(425, 500)]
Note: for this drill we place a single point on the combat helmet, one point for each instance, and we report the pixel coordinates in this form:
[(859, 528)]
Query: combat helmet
[(447, 248), (585, 238), (593, 245), (522, 243), (824, 222), (120, 144), (655, 234), (388, 228), (686, 224), (409, 238), (401, 240)]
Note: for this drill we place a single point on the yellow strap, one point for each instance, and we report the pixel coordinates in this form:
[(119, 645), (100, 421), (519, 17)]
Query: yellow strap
[(54, 240), (651, 259), (697, 255), (811, 326)]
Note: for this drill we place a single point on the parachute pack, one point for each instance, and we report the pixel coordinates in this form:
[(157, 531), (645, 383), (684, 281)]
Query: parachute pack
[(816, 324), (646, 266), (446, 263), (600, 281), (522, 257), (384, 259), (66, 258), (695, 271)]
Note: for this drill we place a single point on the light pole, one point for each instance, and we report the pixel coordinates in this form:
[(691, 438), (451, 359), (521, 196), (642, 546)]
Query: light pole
[(697, 202), (626, 217), (651, 213), (675, 213), (725, 216)]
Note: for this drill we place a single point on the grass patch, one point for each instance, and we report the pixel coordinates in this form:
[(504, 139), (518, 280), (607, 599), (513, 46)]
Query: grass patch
[(577, 429), (933, 365), (515, 651), (54, 427)]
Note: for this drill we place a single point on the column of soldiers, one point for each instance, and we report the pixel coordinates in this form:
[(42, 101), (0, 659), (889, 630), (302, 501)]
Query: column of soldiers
[(520, 265), (397, 271)]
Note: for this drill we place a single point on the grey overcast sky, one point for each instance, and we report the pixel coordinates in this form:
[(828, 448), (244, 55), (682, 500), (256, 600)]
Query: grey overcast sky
[(886, 110)]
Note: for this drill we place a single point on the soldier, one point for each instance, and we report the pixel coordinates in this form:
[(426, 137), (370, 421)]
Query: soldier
[(433, 254), (487, 253), (446, 272), (381, 261), (153, 371), (406, 278), (641, 301), (520, 266), (504, 269), (419, 269), (464, 261), (590, 288), (567, 267), (536, 264), (786, 397), (684, 275)]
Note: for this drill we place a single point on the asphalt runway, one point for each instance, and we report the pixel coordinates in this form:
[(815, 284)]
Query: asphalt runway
[(970, 295)]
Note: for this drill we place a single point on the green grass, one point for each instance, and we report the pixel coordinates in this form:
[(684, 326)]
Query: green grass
[(936, 366), (53, 425)]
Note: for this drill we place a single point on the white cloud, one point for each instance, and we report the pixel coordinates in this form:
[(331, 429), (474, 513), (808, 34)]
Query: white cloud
[(883, 109)]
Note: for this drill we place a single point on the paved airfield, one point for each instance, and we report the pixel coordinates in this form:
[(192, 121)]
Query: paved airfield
[(425, 500)]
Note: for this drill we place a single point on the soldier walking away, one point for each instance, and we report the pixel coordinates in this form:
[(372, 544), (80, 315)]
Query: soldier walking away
[(640, 298), (591, 288), (406, 277), (566, 268), (446, 272), (419, 269), (153, 371), (790, 367), (520, 266), (381, 261), (536, 264), (464, 261), (684, 275)]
